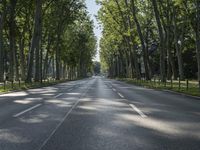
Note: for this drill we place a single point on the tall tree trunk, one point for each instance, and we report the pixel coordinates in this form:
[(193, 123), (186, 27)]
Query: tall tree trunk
[(197, 35), (22, 58), (2, 16), (1, 49), (35, 44), (178, 51), (133, 58), (147, 48), (46, 60), (161, 36), (16, 56), (38, 63), (171, 62), (58, 57), (53, 66), (141, 37), (12, 36)]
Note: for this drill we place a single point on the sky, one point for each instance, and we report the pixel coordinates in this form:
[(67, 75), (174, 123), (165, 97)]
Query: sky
[(93, 10)]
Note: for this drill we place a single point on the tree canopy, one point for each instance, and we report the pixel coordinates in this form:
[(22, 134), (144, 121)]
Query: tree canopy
[(143, 39), (45, 38)]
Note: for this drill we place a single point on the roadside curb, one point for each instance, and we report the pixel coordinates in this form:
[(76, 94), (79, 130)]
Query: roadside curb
[(53, 84), (164, 90), (2, 93), (182, 94), (23, 90)]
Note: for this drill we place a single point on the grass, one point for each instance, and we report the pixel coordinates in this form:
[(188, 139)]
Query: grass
[(25, 86), (190, 88)]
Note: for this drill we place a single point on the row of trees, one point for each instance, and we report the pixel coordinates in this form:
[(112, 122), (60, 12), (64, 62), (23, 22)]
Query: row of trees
[(45, 38), (151, 37)]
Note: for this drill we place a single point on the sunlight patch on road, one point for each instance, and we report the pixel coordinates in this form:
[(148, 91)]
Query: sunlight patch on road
[(86, 99), (73, 93), (166, 127), (48, 94), (9, 136), (60, 103), (105, 132), (23, 101), (14, 94), (34, 119), (151, 124), (43, 90), (87, 107), (110, 102), (27, 100)]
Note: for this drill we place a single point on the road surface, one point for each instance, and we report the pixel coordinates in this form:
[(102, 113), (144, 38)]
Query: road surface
[(98, 114)]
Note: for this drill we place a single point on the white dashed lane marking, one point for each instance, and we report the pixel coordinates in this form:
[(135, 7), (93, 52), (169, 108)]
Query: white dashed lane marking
[(138, 111), (132, 106), (27, 110), (114, 89), (120, 95)]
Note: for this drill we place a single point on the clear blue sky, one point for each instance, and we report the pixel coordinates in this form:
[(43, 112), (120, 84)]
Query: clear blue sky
[(93, 10)]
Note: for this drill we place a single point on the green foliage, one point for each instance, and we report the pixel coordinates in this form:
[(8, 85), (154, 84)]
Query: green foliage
[(121, 48), (97, 67), (66, 46)]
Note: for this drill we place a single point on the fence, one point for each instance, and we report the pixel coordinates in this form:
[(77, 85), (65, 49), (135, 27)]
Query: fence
[(186, 86), (15, 85)]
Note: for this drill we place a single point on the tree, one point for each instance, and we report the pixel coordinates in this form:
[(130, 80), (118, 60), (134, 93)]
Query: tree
[(161, 44), (152, 35), (2, 52), (97, 67), (35, 44), (33, 39), (197, 35)]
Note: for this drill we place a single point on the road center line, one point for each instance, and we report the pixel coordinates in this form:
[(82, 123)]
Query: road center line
[(27, 110), (54, 131), (58, 95), (65, 117), (138, 111), (120, 95)]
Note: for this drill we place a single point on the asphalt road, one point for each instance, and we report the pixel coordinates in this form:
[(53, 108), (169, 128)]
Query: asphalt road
[(98, 114)]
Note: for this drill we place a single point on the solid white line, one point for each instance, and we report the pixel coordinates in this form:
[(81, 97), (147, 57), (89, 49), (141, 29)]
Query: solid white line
[(120, 95), (54, 131), (65, 117), (27, 110), (58, 95), (138, 111)]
